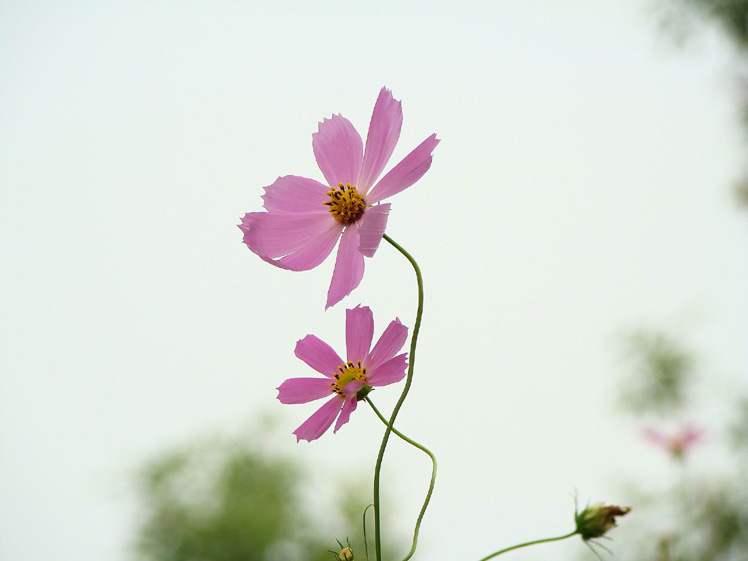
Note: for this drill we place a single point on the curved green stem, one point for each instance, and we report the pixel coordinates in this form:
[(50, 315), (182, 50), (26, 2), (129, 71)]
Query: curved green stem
[(396, 410), (431, 484), (545, 540), (366, 540)]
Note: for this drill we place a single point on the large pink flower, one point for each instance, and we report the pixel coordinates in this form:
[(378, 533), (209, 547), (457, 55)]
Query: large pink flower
[(305, 218), (344, 379)]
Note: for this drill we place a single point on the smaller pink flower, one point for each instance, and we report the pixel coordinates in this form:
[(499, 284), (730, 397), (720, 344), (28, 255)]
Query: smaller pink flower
[(345, 379), (676, 443)]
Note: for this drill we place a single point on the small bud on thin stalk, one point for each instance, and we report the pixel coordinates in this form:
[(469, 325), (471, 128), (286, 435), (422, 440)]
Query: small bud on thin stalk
[(596, 520)]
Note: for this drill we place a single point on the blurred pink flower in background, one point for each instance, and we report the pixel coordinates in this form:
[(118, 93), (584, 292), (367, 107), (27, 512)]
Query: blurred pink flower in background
[(676, 443), (304, 218), (348, 380)]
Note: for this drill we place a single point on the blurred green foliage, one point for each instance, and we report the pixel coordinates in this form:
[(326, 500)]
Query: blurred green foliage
[(738, 430), (741, 189), (720, 516), (230, 500), (696, 515), (659, 373), (681, 17), (710, 524), (730, 15)]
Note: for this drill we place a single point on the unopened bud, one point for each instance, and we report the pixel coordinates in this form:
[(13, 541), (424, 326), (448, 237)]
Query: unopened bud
[(596, 520), (345, 553)]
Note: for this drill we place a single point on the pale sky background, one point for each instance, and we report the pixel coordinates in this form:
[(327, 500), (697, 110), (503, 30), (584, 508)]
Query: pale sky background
[(582, 187)]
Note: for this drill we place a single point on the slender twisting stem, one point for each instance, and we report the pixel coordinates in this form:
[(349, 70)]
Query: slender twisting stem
[(396, 410), (431, 484), (545, 540), (366, 540)]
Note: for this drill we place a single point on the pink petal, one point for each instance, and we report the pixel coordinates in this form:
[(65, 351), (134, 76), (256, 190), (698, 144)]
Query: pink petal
[(372, 229), (359, 330), (301, 240), (406, 173), (338, 149), (391, 341), (303, 390), (345, 414), (293, 194), (319, 355), (654, 436), (690, 434), (384, 131), (351, 389), (312, 253), (388, 372), (248, 221), (316, 425), (349, 267)]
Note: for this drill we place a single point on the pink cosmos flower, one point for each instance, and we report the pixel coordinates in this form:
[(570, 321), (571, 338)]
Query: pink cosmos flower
[(344, 379), (677, 443), (304, 218)]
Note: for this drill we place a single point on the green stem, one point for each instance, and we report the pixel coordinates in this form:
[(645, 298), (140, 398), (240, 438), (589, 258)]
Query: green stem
[(366, 540), (431, 484), (396, 410), (545, 540)]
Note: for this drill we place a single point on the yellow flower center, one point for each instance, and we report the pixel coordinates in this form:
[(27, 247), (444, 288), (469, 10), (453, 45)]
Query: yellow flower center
[(346, 204), (346, 374)]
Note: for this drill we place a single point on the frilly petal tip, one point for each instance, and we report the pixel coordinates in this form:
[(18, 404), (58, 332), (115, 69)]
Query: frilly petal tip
[(324, 120), (244, 224), (300, 437), (246, 227), (385, 91)]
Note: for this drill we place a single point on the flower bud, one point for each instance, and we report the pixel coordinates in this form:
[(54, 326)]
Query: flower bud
[(596, 520), (346, 554)]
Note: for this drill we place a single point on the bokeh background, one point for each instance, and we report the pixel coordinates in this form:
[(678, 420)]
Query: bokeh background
[(583, 190)]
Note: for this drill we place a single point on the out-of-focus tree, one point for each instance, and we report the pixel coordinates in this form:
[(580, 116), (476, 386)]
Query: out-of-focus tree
[(230, 500), (694, 516), (658, 378), (739, 428), (730, 15), (681, 17), (741, 192)]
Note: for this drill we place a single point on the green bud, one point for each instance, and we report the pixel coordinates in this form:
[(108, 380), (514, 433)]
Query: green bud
[(596, 520), (346, 554)]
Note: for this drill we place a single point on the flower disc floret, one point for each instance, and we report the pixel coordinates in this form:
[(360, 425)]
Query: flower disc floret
[(346, 203), (346, 374)]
